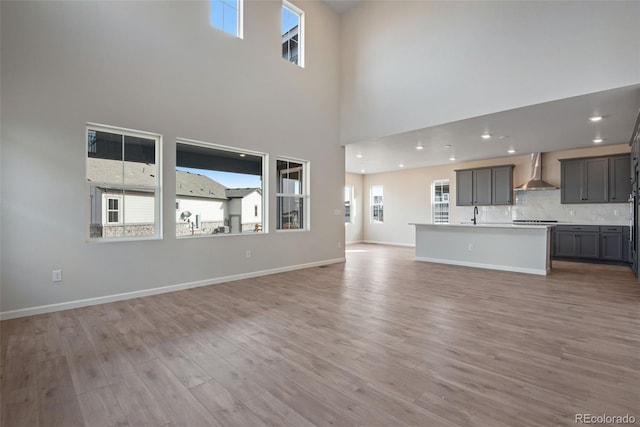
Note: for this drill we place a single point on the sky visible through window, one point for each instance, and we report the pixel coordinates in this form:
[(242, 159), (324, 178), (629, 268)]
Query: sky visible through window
[(224, 15), (289, 20), (228, 179)]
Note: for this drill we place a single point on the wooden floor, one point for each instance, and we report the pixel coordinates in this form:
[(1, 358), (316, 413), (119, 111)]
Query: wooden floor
[(379, 341)]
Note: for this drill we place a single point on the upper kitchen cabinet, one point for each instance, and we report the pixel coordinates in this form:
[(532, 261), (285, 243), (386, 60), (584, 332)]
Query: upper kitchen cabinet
[(484, 186), (619, 179), (502, 181), (595, 179), (464, 188)]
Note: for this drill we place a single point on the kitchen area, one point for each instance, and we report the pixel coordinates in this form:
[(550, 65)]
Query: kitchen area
[(588, 214)]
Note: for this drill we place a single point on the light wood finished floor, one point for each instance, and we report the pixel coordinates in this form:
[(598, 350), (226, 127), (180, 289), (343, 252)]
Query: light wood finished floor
[(379, 341)]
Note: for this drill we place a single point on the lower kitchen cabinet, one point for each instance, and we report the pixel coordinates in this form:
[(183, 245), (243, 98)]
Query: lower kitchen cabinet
[(591, 242)]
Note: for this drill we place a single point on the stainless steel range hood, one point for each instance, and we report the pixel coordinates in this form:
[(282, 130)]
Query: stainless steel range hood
[(536, 182)]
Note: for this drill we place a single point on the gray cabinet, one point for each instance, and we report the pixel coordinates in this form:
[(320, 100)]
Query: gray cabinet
[(619, 179), (484, 186), (464, 188), (502, 185), (595, 179), (591, 242)]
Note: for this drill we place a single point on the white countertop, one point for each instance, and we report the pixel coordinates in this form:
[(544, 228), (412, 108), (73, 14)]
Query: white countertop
[(486, 225)]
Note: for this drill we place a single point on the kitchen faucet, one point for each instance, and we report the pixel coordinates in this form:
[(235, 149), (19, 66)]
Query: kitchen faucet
[(475, 212)]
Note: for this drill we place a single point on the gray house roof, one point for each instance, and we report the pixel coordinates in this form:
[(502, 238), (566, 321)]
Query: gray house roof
[(238, 193), (196, 185), (187, 183)]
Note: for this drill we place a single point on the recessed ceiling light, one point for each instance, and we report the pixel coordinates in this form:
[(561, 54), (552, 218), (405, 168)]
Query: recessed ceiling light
[(597, 140), (511, 151), (452, 158), (447, 146), (359, 155), (419, 147), (595, 118), (362, 171), (485, 136), (401, 165), (243, 155)]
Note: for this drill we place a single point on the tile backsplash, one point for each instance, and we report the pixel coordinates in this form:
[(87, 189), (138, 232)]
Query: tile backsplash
[(546, 205)]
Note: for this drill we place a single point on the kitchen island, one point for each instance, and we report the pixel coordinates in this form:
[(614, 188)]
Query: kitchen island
[(509, 247)]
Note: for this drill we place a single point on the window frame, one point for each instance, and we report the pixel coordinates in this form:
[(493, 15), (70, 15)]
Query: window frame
[(447, 202), (305, 196), (301, 29), (239, 18), (373, 205), (352, 210), (117, 210), (264, 226), (124, 187)]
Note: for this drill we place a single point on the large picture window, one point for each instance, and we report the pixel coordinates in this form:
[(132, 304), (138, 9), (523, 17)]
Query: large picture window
[(292, 34), (377, 204), (292, 194), (219, 190), (123, 179)]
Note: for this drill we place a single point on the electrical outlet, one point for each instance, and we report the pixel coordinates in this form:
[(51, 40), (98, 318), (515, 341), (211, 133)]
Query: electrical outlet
[(339, 245), (56, 276), (248, 254), (470, 247)]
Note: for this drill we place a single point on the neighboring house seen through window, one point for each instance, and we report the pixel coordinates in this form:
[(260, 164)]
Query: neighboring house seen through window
[(440, 201), (123, 179), (226, 15), (219, 190), (292, 34), (292, 194), (377, 205)]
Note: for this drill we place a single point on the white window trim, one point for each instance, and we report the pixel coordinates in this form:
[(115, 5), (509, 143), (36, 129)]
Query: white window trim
[(372, 220), (306, 168), (156, 190), (106, 209), (265, 186), (301, 30)]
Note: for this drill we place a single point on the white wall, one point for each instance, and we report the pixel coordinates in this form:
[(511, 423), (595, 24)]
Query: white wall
[(249, 203), (354, 230), (407, 197), (158, 67), (413, 64), (208, 209)]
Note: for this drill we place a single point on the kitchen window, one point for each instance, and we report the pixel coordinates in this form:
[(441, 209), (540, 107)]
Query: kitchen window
[(440, 201), (377, 205)]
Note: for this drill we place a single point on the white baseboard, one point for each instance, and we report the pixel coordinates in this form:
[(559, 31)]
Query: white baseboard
[(353, 242), (30, 311), (375, 242), (539, 272)]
